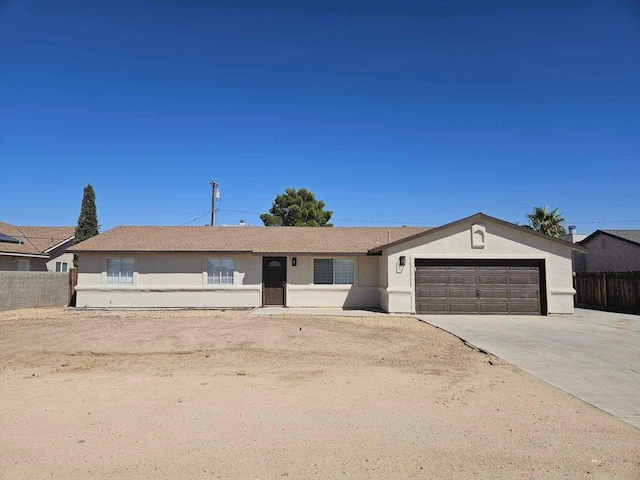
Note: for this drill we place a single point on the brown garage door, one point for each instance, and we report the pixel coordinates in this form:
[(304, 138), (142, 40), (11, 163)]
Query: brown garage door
[(469, 289)]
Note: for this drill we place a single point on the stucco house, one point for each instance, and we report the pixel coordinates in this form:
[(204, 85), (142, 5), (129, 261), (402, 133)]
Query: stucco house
[(611, 251), (475, 265), (37, 249)]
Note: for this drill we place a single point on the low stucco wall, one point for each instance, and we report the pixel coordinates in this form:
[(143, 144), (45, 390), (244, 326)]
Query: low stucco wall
[(33, 289), (180, 296), (334, 296)]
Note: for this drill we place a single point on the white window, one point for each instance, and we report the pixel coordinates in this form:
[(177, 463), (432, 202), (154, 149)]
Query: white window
[(23, 264), (220, 271), (61, 266), (120, 271), (328, 271)]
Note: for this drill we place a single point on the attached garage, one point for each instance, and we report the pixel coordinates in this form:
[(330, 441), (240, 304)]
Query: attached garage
[(480, 287), (478, 265)]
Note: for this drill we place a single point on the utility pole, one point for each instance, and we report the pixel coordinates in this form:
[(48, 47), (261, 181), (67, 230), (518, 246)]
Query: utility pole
[(214, 185)]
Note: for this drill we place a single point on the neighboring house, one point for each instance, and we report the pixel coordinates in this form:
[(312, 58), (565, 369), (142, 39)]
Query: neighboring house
[(37, 249), (612, 251), (578, 258), (475, 265)]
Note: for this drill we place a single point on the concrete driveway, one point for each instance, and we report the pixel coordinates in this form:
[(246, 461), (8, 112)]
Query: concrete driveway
[(592, 355)]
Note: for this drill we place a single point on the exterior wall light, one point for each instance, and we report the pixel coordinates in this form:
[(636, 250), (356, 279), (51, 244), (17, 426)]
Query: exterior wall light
[(294, 261), (402, 261)]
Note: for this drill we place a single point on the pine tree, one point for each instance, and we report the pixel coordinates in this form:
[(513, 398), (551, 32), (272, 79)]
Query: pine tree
[(297, 208), (88, 220)]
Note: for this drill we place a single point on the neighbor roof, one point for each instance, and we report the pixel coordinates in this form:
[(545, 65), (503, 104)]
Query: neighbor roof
[(632, 236), (36, 241), (320, 240)]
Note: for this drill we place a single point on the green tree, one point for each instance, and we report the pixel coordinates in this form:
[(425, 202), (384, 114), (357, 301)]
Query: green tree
[(297, 208), (548, 222), (88, 220)]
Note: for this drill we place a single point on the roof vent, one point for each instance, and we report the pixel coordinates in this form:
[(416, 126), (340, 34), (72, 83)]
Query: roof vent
[(572, 229), (20, 239)]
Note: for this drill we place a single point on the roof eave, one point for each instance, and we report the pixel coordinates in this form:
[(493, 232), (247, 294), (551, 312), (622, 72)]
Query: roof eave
[(58, 244), (593, 235), (17, 254), (73, 250), (478, 216)]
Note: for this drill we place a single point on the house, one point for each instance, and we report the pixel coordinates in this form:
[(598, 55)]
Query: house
[(475, 265), (611, 251), (578, 258), (38, 249)]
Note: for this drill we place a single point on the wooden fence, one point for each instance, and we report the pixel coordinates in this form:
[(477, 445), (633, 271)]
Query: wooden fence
[(73, 281), (612, 291)]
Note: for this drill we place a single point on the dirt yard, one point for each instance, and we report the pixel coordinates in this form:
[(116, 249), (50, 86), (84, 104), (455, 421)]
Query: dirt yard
[(202, 394)]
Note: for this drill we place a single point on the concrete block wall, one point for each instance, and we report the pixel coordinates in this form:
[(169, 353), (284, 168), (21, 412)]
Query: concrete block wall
[(33, 289)]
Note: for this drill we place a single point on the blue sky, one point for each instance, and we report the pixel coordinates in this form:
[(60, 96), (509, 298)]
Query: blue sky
[(402, 112)]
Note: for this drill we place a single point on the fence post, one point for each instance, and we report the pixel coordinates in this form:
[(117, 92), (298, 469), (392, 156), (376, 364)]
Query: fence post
[(606, 291)]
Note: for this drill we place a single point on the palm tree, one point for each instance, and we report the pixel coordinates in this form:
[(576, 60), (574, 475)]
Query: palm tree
[(544, 221)]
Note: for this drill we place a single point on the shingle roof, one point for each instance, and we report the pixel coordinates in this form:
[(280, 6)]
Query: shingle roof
[(35, 240), (630, 235), (352, 240)]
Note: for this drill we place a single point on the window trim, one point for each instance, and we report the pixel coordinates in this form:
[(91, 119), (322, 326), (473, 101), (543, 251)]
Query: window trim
[(354, 262), (234, 277), (134, 277), (62, 264)]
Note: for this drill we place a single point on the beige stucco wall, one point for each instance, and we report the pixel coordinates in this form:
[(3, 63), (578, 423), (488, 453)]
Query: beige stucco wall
[(501, 242), (616, 256), (62, 257), (168, 280), (179, 280), (301, 291)]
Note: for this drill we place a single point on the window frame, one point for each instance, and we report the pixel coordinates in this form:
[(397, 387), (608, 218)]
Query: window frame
[(220, 283), (337, 271), (64, 267), (108, 280)]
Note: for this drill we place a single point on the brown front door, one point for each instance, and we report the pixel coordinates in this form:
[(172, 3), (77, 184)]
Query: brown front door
[(274, 279)]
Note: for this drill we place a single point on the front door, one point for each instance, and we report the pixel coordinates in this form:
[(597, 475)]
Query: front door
[(274, 279)]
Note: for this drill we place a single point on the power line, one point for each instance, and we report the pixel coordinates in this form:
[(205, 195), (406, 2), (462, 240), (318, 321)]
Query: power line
[(196, 219), (607, 221)]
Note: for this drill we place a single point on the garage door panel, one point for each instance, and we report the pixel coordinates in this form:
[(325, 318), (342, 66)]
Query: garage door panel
[(425, 279), (520, 279), (492, 269), (462, 292), (432, 292), (517, 293), (502, 293), (494, 306), (458, 279), (526, 307), (469, 289), (433, 307), (463, 306), (492, 279)]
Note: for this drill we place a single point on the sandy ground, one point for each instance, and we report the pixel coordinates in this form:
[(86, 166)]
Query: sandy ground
[(203, 394)]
